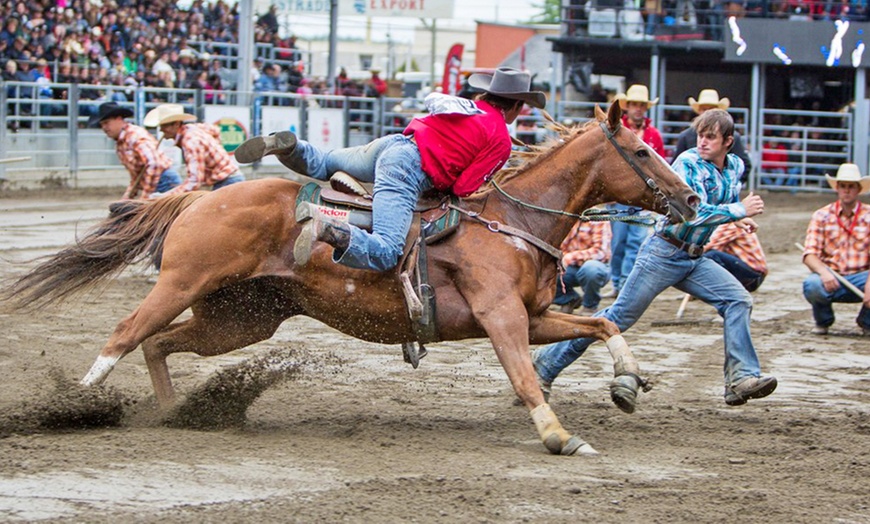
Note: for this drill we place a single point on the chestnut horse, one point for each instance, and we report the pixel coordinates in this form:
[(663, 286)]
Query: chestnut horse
[(228, 256)]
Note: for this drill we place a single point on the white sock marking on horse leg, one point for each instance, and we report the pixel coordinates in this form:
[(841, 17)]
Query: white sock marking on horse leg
[(99, 371), (623, 360)]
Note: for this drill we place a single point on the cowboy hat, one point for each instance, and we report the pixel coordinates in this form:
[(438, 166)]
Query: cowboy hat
[(511, 84), (636, 93), (166, 114), (109, 110), (849, 173), (709, 97)]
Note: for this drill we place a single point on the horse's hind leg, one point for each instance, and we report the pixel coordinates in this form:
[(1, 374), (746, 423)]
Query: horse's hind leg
[(228, 319), (162, 305)]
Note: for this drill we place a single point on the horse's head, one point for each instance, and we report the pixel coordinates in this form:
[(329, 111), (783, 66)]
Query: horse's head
[(642, 177)]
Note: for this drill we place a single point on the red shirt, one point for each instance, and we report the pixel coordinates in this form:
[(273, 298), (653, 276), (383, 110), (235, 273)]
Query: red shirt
[(137, 150), (460, 152), (651, 135), (207, 161)]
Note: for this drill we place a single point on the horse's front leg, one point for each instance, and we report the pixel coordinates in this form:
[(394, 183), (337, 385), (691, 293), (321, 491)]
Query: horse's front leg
[(553, 327), (506, 324)]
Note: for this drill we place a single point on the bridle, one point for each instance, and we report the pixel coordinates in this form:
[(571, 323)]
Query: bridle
[(659, 195)]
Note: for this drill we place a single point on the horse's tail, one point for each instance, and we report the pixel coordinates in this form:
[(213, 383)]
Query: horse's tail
[(133, 231)]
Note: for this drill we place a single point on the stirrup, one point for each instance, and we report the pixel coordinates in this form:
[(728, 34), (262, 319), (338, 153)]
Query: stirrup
[(412, 353)]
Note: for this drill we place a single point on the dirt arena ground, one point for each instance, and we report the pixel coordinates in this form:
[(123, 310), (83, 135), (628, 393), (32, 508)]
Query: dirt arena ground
[(351, 433)]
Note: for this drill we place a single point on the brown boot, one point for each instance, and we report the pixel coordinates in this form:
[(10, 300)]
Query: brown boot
[(320, 227), (281, 144)]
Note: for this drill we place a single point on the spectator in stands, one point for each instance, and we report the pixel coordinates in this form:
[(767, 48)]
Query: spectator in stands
[(709, 99), (208, 163), (268, 81), (375, 87), (151, 172), (837, 240)]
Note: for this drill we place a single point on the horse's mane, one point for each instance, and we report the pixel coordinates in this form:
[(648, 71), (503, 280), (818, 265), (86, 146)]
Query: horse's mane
[(522, 161)]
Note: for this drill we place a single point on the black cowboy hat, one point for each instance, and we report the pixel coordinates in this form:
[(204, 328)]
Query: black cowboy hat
[(509, 83), (109, 110)]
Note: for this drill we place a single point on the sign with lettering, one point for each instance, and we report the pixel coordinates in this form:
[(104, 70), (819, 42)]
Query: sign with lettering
[(384, 8)]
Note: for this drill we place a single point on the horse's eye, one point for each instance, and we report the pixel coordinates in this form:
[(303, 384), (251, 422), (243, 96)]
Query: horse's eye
[(643, 153)]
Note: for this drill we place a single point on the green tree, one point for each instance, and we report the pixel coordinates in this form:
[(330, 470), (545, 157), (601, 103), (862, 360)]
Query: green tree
[(551, 12)]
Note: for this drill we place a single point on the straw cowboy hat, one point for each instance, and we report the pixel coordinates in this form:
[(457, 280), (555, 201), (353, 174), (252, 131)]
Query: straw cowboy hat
[(109, 110), (636, 93), (166, 114), (509, 83), (849, 173), (709, 97)]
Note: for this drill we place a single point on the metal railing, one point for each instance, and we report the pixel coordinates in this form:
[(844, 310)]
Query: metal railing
[(65, 151)]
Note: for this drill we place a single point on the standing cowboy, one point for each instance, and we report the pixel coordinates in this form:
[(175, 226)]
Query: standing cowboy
[(208, 163), (457, 147), (673, 257), (709, 99), (626, 239), (838, 239), (151, 172)]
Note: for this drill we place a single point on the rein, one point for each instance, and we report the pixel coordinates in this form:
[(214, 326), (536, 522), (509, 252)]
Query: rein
[(587, 215)]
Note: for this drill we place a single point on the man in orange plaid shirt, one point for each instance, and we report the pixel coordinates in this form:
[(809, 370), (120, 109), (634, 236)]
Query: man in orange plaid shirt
[(151, 172), (838, 239), (739, 251), (208, 163), (586, 251)]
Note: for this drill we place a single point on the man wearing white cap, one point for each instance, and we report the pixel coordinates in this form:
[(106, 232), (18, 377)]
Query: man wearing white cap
[(208, 163), (626, 239), (838, 244), (709, 99)]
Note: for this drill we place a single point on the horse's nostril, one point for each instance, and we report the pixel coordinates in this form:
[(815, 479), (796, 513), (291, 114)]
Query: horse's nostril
[(694, 201)]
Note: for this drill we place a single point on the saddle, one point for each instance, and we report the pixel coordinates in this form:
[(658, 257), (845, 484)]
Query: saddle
[(436, 217)]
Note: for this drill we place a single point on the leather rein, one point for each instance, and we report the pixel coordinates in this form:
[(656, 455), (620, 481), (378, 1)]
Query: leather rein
[(497, 227)]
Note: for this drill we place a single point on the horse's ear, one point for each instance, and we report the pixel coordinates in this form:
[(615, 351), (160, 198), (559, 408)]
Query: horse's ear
[(614, 116), (599, 114)]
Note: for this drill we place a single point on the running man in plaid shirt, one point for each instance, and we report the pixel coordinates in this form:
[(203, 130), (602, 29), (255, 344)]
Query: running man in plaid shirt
[(838, 239), (208, 163), (151, 172)]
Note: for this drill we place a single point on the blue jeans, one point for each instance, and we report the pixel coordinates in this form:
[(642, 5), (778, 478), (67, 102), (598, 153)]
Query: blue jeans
[(591, 276), (659, 266), (822, 301), (749, 278), (232, 179), (168, 179), (624, 243), (393, 164)]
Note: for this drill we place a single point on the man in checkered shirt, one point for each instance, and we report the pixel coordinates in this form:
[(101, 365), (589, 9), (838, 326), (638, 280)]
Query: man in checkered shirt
[(208, 163), (838, 240)]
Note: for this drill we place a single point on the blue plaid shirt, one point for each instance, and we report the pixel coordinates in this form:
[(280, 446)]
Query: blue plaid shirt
[(719, 192)]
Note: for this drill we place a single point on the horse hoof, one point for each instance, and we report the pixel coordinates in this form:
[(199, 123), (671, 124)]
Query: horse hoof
[(576, 446), (623, 392)]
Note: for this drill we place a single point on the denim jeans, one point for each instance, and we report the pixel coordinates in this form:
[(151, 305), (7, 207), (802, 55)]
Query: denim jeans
[(660, 265), (228, 181), (624, 243), (168, 179), (393, 164), (591, 276), (822, 301), (749, 278)]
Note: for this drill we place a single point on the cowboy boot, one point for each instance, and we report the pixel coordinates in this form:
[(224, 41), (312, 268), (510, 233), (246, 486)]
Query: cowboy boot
[(281, 144), (320, 227)]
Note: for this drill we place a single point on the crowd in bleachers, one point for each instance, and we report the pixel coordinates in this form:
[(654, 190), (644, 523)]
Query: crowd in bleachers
[(154, 43)]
